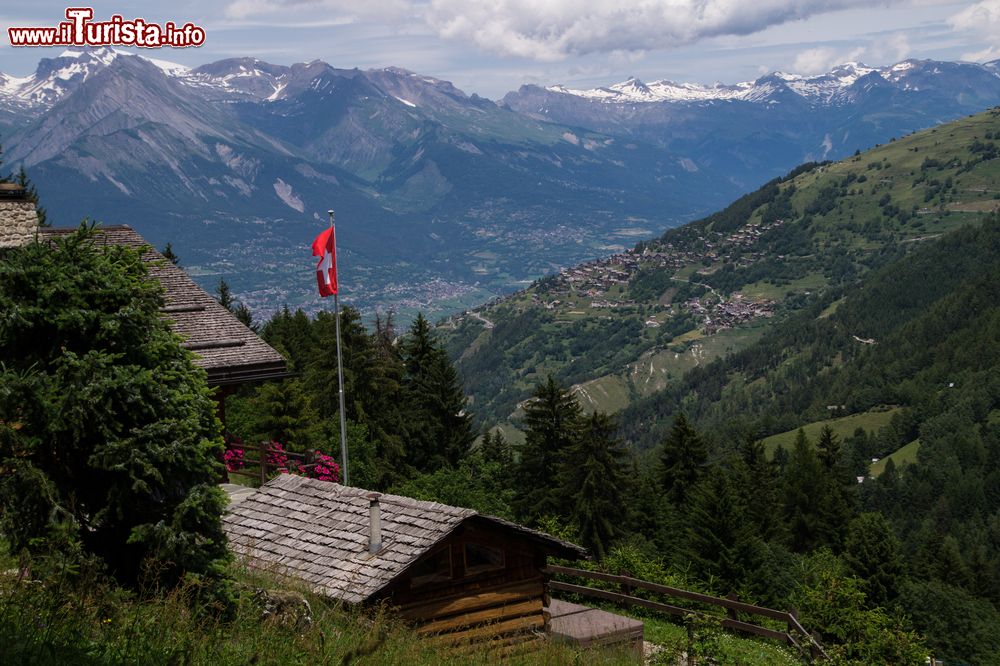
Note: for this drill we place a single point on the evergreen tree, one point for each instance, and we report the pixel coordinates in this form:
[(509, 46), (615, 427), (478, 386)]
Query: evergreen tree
[(593, 484), (108, 433), (874, 554), (837, 489), (719, 536), (284, 415), (551, 422), (757, 480), (439, 428), (32, 195), (224, 294), (803, 503), (682, 461), (496, 449), (169, 254)]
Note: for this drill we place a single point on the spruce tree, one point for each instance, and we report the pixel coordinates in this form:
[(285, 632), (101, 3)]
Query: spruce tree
[(551, 423), (593, 484), (837, 489), (802, 502), (682, 460), (720, 539), (439, 427), (108, 432), (224, 294), (874, 554), (169, 254)]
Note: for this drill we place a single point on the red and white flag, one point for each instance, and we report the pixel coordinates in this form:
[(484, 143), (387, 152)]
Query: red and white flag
[(325, 247)]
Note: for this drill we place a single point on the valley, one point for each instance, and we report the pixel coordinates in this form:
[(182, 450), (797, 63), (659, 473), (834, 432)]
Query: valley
[(623, 329)]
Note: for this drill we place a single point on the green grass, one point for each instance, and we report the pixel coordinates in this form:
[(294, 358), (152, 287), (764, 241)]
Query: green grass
[(904, 455), (842, 427), (97, 623)]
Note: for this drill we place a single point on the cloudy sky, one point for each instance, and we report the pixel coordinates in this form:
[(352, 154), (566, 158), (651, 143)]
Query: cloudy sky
[(493, 46)]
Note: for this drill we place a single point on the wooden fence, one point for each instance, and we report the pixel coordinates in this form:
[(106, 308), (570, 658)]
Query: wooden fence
[(259, 467), (794, 635)]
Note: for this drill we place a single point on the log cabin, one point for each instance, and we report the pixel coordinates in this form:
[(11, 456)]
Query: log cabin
[(457, 575)]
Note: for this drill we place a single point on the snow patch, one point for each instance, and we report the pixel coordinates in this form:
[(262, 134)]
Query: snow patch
[(406, 102)]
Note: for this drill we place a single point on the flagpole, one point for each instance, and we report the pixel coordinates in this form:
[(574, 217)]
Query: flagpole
[(340, 382)]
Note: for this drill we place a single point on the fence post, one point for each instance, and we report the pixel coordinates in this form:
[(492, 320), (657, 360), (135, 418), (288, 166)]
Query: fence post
[(731, 612), (262, 447)]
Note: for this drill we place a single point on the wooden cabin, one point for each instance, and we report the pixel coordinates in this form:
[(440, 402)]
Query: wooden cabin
[(457, 575), (228, 351)]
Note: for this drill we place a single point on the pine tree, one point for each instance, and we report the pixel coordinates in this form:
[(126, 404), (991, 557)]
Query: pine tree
[(32, 195), (108, 431), (496, 449), (719, 537), (758, 480), (682, 461), (439, 427), (551, 422), (224, 294), (803, 504), (874, 554), (836, 488), (169, 254), (593, 484), (285, 415)]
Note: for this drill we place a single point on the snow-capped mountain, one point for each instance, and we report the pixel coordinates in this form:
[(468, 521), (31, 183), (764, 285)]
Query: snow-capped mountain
[(236, 160), (831, 87), (749, 128)]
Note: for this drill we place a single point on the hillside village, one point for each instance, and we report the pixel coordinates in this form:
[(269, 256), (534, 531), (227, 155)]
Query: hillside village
[(603, 284)]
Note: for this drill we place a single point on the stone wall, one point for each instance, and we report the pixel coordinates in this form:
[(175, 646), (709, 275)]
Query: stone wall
[(18, 223)]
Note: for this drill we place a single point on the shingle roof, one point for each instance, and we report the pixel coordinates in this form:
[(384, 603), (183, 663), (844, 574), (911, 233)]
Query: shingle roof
[(228, 351), (317, 532)]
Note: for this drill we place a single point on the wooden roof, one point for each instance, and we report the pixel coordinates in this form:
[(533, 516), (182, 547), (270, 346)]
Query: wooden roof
[(317, 532), (228, 351)]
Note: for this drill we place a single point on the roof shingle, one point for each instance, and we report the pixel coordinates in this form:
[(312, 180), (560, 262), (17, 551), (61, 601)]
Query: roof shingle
[(323, 539), (228, 351)]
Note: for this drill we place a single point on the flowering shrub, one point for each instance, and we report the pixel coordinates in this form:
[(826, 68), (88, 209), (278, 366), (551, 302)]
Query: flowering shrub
[(277, 457), (326, 469), (233, 457)]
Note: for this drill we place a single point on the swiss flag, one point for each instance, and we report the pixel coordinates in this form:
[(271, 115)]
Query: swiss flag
[(325, 247)]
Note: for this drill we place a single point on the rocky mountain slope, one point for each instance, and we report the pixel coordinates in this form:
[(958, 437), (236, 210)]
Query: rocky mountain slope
[(443, 199)]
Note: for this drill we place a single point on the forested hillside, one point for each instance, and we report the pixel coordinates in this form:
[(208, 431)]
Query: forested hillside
[(623, 328), (882, 312)]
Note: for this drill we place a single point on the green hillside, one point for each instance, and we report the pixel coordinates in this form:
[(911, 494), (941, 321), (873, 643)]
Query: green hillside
[(842, 427), (627, 327)]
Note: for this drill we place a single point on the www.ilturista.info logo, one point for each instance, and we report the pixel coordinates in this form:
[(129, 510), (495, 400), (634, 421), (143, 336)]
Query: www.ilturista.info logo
[(79, 30)]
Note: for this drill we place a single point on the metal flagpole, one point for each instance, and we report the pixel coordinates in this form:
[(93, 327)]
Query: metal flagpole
[(340, 380)]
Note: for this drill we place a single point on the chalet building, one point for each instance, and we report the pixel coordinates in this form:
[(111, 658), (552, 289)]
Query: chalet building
[(228, 351), (458, 575)]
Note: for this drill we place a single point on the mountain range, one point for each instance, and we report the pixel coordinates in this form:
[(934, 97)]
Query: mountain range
[(442, 199)]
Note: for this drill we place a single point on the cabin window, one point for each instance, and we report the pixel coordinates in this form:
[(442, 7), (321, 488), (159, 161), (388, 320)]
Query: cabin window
[(434, 569), (479, 558)]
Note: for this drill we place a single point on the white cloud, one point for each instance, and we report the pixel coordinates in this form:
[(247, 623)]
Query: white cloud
[(887, 49), (823, 59), (982, 16), (983, 19), (552, 30)]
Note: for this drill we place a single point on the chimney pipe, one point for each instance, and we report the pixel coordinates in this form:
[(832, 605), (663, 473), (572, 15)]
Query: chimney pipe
[(374, 524)]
